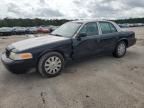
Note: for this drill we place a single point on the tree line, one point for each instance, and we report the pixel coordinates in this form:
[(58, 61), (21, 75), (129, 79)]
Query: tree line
[(130, 21), (30, 22), (6, 22)]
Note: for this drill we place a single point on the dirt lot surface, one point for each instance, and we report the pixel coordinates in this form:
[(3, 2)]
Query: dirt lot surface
[(97, 82)]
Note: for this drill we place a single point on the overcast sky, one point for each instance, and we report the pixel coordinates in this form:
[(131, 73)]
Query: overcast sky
[(106, 9)]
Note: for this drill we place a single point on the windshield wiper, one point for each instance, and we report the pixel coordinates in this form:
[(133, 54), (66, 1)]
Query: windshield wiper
[(57, 35)]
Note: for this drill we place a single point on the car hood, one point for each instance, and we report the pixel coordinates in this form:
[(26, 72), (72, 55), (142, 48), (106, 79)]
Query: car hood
[(35, 42)]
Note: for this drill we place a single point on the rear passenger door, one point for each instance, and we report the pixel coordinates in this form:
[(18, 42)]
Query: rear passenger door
[(108, 37)]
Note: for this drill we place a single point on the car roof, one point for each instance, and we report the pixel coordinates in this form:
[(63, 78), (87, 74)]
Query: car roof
[(86, 21)]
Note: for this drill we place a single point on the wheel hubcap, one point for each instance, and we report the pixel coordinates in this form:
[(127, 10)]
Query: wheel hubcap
[(121, 49), (53, 65)]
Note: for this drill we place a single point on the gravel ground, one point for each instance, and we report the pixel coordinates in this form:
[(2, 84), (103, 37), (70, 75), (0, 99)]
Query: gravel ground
[(96, 82)]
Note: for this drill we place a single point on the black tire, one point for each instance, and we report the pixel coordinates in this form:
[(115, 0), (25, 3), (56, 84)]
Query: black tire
[(44, 59), (117, 53)]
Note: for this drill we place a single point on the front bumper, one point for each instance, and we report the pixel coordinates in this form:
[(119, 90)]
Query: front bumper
[(132, 42), (18, 66)]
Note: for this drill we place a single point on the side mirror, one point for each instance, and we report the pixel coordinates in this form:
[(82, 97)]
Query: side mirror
[(81, 35)]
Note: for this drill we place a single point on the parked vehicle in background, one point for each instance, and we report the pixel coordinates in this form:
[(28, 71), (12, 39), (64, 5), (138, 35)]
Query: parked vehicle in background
[(32, 30), (5, 31), (52, 28), (20, 30), (126, 25), (70, 41), (43, 30)]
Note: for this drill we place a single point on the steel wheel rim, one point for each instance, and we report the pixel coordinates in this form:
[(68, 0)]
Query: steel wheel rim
[(121, 49), (53, 65)]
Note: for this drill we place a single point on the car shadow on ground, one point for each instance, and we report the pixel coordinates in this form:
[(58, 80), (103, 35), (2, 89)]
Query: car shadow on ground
[(69, 68), (86, 60), (97, 58)]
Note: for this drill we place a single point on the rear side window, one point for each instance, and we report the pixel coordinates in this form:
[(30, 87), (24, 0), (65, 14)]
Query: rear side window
[(112, 27), (90, 29), (107, 27)]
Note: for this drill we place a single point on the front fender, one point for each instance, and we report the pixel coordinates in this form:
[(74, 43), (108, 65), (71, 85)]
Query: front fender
[(122, 39), (65, 50), (125, 40)]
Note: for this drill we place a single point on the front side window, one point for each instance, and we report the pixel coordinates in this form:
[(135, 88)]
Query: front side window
[(90, 29), (107, 27)]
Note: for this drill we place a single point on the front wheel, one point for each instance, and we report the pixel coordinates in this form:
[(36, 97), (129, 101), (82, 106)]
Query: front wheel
[(120, 49), (51, 64)]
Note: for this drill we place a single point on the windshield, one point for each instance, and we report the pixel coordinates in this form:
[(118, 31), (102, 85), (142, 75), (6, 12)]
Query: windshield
[(67, 29)]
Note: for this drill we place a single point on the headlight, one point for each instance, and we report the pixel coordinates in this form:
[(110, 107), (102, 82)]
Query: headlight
[(22, 56)]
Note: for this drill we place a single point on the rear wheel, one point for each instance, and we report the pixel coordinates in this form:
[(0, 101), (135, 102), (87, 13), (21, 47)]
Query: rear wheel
[(51, 64), (120, 49)]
